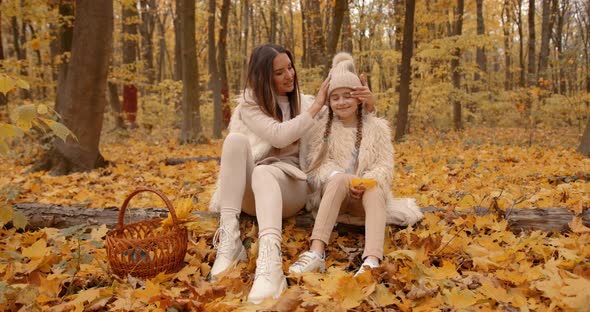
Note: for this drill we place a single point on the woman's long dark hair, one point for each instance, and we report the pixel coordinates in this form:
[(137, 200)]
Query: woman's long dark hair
[(260, 80)]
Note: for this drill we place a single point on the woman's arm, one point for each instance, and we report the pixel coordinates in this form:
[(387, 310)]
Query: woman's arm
[(365, 95), (282, 134)]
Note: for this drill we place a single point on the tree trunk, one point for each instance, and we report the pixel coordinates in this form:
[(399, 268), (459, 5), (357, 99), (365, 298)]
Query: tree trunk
[(191, 113), (455, 71), (222, 61), (3, 99), (83, 97), (162, 47), (214, 82), (1, 42), (245, 28), (16, 38), (546, 27), (346, 30), (116, 106), (148, 22), (272, 32), (334, 35), (480, 52), (66, 35), (584, 147), (531, 65), (305, 36), (317, 47), (405, 95), (520, 42), (291, 40), (506, 29), (177, 41), (560, 10), (130, 44)]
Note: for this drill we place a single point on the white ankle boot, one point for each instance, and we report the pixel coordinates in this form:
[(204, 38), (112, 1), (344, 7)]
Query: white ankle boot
[(228, 244), (269, 280)]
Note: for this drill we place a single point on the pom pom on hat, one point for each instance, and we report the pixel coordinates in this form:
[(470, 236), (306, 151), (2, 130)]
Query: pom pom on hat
[(340, 57), (343, 73)]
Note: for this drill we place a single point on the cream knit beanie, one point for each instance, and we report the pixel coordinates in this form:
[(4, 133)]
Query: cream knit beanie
[(343, 73)]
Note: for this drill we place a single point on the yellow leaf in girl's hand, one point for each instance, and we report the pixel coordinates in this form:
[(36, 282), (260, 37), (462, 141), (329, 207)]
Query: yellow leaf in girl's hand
[(367, 183)]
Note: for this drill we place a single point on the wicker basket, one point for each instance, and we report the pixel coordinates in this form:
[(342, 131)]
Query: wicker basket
[(136, 248)]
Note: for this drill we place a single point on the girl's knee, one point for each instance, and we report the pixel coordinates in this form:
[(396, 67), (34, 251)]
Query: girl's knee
[(339, 180)]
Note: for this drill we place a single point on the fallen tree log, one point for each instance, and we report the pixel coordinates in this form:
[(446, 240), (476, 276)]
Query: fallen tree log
[(178, 161), (48, 215)]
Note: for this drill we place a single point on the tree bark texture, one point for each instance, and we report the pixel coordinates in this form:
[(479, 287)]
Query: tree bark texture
[(178, 41), (455, 71), (147, 26), (222, 61), (405, 94), (522, 80), (346, 30), (245, 28), (130, 47), (83, 96), (191, 114), (546, 27), (506, 29), (214, 82), (532, 37), (334, 35), (584, 147), (57, 216), (317, 46), (116, 105), (480, 51), (66, 33)]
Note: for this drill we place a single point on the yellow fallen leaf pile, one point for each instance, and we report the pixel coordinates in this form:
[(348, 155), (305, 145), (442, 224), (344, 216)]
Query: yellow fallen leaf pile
[(448, 262)]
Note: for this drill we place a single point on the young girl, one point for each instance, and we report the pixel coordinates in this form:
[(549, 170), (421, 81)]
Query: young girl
[(352, 145)]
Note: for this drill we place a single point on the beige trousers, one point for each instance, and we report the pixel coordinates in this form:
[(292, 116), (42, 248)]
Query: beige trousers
[(263, 191), (336, 200)]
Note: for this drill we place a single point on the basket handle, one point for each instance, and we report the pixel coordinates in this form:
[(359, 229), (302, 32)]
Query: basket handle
[(145, 189)]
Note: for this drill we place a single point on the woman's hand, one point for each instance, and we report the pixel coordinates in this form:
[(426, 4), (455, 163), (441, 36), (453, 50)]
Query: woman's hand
[(357, 192), (320, 98), (364, 94)]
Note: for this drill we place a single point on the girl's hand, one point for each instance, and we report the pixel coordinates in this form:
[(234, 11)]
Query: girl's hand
[(357, 192), (364, 94)]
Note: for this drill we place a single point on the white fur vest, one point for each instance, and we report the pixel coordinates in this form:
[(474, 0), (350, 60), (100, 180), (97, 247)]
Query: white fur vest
[(375, 161)]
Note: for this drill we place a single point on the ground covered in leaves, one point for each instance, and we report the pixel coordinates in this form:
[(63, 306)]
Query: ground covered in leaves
[(447, 262)]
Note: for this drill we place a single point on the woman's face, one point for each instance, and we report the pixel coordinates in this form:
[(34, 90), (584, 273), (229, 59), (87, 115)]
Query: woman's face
[(343, 104), (283, 74)]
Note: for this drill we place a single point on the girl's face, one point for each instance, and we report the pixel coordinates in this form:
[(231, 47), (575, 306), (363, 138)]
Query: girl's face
[(283, 74), (343, 104)]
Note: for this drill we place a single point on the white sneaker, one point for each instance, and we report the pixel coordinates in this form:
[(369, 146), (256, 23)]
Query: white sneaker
[(368, 264), (309, 261), (228, 244), (269, 280)]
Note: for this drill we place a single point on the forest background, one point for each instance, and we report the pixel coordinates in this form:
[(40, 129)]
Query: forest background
[(489, 102)]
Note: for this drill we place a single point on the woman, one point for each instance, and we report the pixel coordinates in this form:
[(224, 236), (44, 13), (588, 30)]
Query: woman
[(260, 171), (348, 145)]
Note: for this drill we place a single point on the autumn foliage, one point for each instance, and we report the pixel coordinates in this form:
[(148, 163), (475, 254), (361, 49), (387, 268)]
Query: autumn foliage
[(449, 261)]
